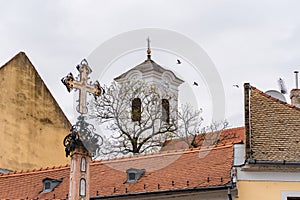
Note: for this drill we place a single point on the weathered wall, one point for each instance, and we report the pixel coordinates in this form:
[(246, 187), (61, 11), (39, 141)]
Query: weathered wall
[(266, 190), (32, 125)]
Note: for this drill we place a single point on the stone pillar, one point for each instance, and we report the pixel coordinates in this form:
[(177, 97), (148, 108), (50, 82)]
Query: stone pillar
[(295, 97), (80, 174)]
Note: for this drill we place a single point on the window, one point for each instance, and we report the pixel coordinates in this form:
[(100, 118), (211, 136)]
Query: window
[(82, 190), (165, 110), (70, 189), (131, 176), (136, 108), (83, 164), (72, 165), (290, 195), (134, 174), (49, 184)]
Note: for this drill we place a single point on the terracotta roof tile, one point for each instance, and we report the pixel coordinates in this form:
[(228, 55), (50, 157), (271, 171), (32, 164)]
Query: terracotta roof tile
[(232, 135), (164, 171), (275, 130)]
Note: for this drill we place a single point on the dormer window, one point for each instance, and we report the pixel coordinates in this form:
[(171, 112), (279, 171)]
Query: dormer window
[(49, 184), (134, 174), (131, 177)]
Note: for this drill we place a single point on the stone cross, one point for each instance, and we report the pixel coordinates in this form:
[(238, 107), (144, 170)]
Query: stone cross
[(82, 85)]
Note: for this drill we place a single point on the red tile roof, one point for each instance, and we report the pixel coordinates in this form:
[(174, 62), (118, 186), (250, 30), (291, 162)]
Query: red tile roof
[(232, 135), (192, 168), (274, 129)]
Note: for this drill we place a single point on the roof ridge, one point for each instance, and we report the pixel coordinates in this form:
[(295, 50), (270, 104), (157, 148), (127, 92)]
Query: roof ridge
[(21, 53), (275, 99), (33, 171), (235, 128)]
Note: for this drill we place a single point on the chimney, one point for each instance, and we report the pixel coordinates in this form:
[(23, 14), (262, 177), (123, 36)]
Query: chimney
[(295, 93)]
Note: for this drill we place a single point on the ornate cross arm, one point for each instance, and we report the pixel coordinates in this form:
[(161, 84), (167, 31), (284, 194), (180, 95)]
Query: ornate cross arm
[(82, 85), (68, 81)]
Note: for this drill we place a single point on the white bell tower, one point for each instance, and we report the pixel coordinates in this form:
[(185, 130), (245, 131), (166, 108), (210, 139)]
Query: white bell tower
[(164, 80)]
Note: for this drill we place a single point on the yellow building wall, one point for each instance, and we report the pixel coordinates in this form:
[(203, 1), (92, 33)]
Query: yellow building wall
[(264, 190), (32, 125)]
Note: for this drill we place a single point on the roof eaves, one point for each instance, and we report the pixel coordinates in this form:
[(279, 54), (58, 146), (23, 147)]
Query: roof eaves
[(195, 189), (34, 171)]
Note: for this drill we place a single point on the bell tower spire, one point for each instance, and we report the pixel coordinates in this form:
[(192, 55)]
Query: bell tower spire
[(148, 50)]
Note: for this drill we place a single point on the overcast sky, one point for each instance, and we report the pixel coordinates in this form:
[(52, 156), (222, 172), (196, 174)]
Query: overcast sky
[(248, 41)]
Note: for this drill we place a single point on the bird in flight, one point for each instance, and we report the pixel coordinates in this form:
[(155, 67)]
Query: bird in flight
[(178, 62), (237, 86), (195, 83)]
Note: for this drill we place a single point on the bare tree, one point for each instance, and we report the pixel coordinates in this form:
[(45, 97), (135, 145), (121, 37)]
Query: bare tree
[(192, 131), (138, 115), (189, 124)]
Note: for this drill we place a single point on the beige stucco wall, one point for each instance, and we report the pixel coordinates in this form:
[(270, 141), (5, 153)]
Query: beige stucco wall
[(266, 190), (32, 125)]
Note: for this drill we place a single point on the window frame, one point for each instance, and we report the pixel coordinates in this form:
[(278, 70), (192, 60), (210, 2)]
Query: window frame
[(289, 194), (82, 184), (83, 164)]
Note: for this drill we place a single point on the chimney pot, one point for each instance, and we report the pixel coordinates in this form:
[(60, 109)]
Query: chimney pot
[(295, 97)]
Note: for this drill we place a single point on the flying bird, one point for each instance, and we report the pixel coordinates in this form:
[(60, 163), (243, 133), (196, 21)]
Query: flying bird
[(195, 83), (178, 62), (237, 86)]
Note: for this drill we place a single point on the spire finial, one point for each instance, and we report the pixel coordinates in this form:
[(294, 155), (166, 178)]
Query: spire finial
[(148, 50)]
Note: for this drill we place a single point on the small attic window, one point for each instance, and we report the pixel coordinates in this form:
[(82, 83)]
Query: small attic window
[(49, 184), (134, 174)]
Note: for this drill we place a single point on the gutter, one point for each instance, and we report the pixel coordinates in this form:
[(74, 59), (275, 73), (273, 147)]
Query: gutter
[(253, 161), (223, 187)]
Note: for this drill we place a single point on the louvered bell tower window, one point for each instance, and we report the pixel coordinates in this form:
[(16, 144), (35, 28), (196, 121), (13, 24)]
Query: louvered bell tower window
[(136, 109), (165, 110)]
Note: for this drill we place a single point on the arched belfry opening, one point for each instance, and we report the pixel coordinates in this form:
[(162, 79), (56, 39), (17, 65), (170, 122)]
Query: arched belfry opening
[(165, 108), (136, 109)]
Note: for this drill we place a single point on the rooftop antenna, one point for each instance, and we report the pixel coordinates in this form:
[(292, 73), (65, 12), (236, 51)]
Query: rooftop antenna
[(282, 86), (148, 50), (296, 76)]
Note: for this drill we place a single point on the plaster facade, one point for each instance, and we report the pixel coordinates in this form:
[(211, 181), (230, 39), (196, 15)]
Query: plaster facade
[(32, 125)]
